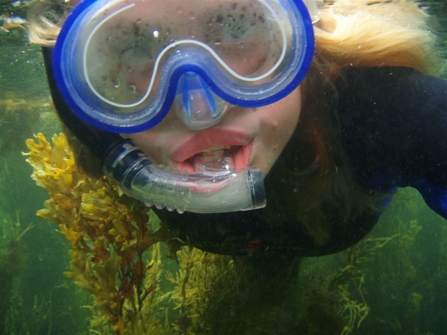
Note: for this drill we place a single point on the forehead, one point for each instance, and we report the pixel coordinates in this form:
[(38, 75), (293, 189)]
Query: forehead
[(188, 5), (190, 9)]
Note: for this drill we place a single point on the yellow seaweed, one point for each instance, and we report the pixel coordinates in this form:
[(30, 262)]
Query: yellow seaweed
[(112, 253)]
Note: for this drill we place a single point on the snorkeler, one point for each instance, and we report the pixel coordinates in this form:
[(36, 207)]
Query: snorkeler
[(254, 127)]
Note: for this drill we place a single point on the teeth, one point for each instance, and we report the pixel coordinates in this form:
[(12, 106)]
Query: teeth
[(211, 150), (216, 158)]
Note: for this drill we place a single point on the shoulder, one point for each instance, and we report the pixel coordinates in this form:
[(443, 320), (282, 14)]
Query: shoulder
[(401, 101), (393, 124), (392, 87)]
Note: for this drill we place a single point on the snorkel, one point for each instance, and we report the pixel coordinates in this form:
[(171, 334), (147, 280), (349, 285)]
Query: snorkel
[(211, 190)]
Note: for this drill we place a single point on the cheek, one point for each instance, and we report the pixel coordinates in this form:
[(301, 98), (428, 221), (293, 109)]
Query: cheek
[(149, 142), (286, 114), (280, 120)]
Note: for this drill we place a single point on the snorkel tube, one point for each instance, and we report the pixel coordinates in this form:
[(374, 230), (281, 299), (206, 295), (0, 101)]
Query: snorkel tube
[(208, 192)]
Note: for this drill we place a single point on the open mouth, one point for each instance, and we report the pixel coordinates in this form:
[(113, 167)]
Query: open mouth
[(213, 150), (218, 158)]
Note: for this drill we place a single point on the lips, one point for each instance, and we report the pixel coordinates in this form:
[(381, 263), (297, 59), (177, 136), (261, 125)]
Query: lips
[(213, 149)]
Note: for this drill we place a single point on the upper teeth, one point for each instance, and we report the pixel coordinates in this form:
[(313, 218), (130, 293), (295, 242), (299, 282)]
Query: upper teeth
[(213, 149)]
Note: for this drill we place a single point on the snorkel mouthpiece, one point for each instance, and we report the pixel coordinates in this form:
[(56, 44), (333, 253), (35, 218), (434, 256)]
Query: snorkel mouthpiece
[(206, 192)]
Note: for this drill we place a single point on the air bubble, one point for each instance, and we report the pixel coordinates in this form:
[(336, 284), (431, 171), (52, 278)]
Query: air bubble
[(132, 88), (116, 83), (220, 20), (217, 40)]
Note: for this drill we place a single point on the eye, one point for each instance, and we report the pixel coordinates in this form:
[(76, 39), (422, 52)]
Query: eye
[(238, 28), (230, 27), (232, 24), (142, 41), (122, 57)]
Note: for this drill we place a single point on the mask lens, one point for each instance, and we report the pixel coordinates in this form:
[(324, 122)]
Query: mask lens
[(128, 48)]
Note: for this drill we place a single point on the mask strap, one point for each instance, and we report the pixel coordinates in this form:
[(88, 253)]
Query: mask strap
[(314, 7)]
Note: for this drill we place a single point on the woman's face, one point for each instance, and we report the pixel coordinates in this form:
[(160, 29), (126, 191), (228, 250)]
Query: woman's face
[(244, 137)]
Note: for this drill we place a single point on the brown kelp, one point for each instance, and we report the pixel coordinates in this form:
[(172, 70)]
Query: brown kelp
[(110, 238)]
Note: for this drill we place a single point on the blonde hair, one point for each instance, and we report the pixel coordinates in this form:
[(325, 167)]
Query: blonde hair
[(45, 18), (366, 33)]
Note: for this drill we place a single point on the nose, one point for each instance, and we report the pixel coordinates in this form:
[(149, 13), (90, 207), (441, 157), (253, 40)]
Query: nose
[(196, 104)]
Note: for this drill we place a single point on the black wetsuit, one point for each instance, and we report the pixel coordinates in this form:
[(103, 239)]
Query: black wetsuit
[(393, 124)]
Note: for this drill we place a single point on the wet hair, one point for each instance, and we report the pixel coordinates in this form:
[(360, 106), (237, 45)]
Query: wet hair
[(365, 33), (45, 18), (313, 166)]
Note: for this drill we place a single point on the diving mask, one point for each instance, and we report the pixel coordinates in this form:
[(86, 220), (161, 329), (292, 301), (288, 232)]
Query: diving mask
[(123, 65)]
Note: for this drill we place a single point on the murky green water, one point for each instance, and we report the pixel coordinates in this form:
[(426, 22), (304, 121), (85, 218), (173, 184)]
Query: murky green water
[(398, 287)]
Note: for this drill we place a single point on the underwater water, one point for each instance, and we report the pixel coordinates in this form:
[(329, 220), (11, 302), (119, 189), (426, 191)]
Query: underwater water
[(393, 282)]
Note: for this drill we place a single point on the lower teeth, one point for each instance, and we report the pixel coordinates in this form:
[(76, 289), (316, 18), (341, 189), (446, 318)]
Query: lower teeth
[(217, 160)]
